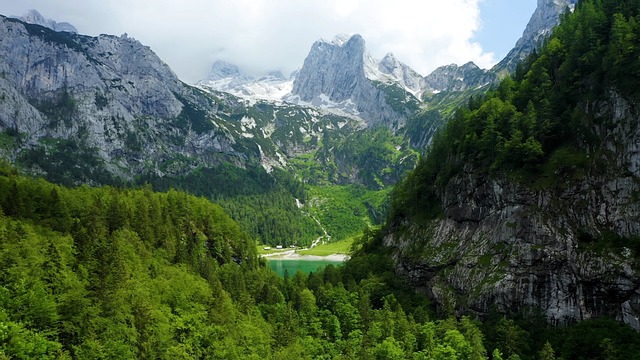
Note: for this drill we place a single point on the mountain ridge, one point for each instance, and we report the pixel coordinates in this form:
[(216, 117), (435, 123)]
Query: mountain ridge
[(446, 84), (34, 17)]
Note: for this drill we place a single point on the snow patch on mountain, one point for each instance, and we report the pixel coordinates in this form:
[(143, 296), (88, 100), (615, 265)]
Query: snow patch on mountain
[(228, 78)]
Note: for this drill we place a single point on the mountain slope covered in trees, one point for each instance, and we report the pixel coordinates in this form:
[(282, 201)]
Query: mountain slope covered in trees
[(526, 193), (102, 273)]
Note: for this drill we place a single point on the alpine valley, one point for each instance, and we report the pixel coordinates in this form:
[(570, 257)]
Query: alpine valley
[(494, 213)]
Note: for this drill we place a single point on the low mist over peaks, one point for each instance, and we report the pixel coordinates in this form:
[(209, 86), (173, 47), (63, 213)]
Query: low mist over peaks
[(34, 17), (222, 70)]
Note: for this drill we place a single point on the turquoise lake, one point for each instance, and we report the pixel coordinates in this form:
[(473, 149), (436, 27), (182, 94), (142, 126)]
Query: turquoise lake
[(306, 266)]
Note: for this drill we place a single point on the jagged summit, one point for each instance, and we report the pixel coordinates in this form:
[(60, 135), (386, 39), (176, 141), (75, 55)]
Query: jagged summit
[(34, 17), (340, 39), (338, 75), (333, 69), (342, 76), (398, 70), (222, 70), (457, 78)]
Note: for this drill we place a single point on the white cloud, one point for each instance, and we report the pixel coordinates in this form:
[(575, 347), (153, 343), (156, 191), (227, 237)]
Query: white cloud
[(263, 35)]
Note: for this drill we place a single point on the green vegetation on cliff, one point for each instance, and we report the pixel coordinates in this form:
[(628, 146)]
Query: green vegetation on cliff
[(538, 126), (103, 273)]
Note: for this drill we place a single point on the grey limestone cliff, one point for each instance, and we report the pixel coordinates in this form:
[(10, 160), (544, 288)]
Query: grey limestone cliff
[(568, 250), (458, 78), (343, 74), (107, 106), (402, 73), (97, 91)]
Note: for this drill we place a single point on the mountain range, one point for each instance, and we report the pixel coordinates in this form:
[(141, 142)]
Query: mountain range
[(106, 110), (341, 76)]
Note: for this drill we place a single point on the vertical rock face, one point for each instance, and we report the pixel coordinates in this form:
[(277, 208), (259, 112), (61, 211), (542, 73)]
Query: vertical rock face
[(124, 113), (542, 22), (110, 96), (343, 75), (507, 246), (332, 69)]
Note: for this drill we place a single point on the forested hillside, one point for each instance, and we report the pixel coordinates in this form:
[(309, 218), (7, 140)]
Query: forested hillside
[(543, 125), (517, 236), (527, 197), (104, 273)]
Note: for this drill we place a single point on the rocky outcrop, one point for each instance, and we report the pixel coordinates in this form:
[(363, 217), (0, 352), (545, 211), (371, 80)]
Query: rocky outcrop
[(542, 22), (401, 73), (342, 75), (452, 77), (569, 250), (34, 17), (99, 92)]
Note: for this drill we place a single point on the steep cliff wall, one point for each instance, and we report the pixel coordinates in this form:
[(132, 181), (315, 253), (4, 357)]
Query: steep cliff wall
[(569, 249), (342, 75)]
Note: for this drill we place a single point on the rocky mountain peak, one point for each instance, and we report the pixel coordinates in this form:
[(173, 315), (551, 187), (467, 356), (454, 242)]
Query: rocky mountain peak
[(333, 69), (340, 39), (457, 78), (34, 17), (401, 72), (543, 20), (389, 64), (343, 77), (338, 75), (222, 70)]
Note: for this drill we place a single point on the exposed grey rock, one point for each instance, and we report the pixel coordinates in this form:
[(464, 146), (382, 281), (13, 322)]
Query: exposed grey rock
[(401, 73), (343, 75), (222, 70), (34, 17), (112, 97), (506, 245), (458, 78), (542, 22), (338, 76), (332, 69)]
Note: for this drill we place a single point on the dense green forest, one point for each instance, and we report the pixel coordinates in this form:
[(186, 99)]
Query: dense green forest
[(264, 204), (114, 273), (538, 126), (106, 273)]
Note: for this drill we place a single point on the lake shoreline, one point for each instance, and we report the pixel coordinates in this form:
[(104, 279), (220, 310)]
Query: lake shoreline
[(292, 255)]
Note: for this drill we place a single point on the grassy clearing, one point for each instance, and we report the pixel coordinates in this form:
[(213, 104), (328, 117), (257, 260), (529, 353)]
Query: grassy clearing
[(345, 210), (273, 250), (338, 247)]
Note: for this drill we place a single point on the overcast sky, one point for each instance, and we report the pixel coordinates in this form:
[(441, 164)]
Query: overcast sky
[(266, 35)]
